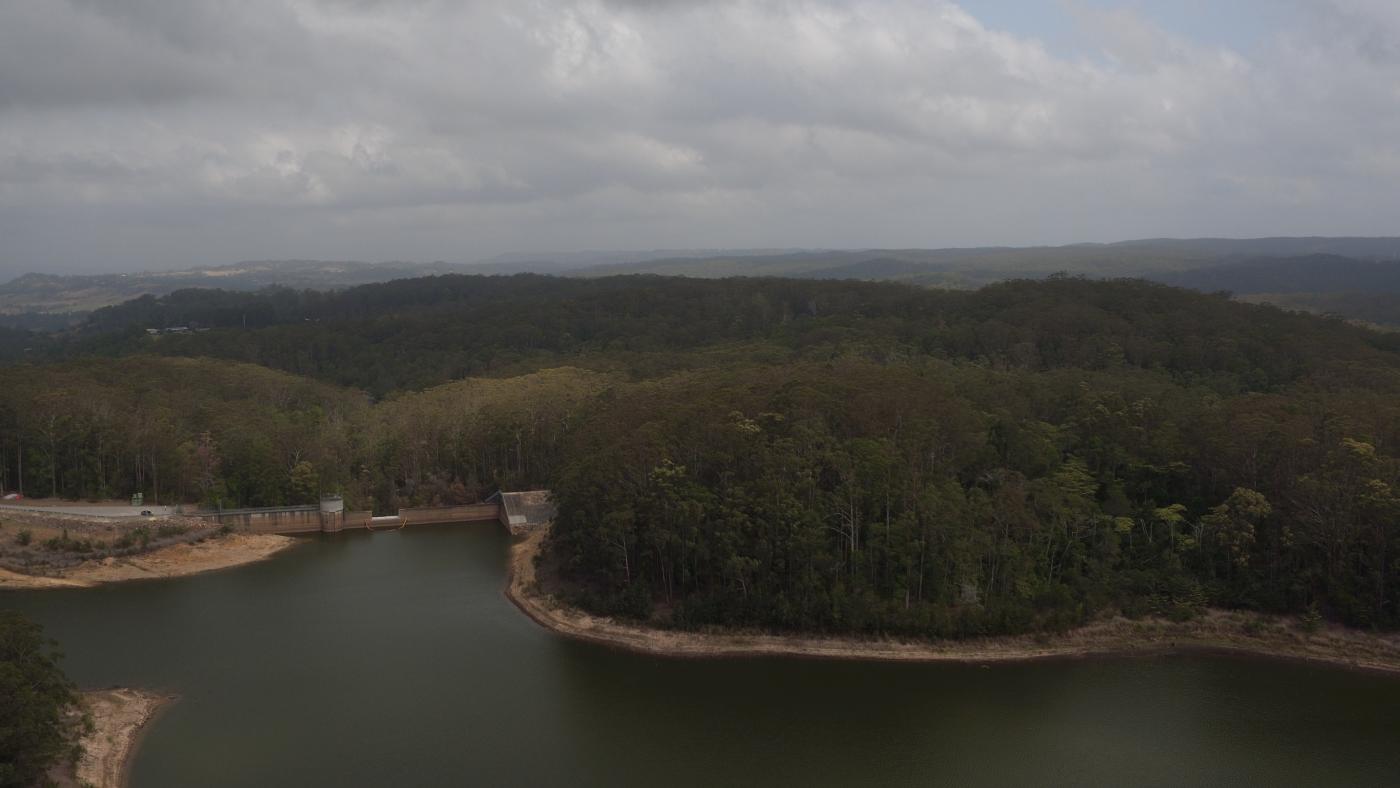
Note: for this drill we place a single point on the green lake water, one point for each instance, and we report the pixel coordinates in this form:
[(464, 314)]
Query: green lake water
[(393, 659)]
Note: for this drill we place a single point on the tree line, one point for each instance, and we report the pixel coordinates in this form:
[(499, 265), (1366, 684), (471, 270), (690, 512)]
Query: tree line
[(957, 500), (835, 456), (217, 433)]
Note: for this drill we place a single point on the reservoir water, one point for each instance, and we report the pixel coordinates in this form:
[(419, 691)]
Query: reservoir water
[(393, 659)]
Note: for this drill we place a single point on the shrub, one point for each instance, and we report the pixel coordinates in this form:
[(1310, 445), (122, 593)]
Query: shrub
[(69, 545), (1311, 619)]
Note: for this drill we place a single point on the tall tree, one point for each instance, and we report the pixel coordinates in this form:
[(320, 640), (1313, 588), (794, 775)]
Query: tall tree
[(42, 720)]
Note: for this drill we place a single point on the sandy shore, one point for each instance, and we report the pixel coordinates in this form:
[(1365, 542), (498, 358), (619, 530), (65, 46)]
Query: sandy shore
[(1225, 631), (173, 561), (118, 716)]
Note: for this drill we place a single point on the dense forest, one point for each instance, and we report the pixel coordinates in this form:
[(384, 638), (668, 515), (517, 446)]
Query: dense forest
[(961, 499), (219, 433), (175, 429), (779, 453), (416, 333), (411, 334)]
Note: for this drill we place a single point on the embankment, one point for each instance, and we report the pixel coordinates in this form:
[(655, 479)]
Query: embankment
[(217, 552), (118, 717), (1223, 631)]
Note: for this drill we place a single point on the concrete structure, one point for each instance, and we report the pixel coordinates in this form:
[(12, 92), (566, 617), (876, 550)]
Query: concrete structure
[(524, 511), (517, 511), (332, 514), (102, 511), (270, 520), (470, 513)]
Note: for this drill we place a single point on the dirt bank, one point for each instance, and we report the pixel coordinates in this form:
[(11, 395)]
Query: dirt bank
[(214, 552), (118, 715), (51, 540), (1217, 630)]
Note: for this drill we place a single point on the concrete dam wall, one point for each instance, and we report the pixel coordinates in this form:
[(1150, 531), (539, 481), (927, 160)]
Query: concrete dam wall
[(475, 512), (330, 516), (272, 520)]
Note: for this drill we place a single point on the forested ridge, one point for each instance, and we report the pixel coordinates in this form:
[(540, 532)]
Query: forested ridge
[(415, 333), (411, 334), (778, 453)]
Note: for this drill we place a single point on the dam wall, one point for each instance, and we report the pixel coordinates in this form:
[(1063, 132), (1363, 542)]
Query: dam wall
[(271, 520), (289, 520), (470, 513), (516, 513)]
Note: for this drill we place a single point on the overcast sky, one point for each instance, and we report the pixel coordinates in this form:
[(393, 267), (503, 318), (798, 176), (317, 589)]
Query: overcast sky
[(142, 134)]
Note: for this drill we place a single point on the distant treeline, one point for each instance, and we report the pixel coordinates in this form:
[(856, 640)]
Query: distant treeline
[(808, 455), (416, 333)]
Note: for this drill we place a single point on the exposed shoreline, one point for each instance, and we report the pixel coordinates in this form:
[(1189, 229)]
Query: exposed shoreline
[(1217, 630), (119, 719), (180, 560)]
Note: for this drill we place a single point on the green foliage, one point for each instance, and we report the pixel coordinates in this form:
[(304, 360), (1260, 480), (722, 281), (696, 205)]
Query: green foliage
[(42, 719), (177, 430), (887, 498), (1311, 619), (65, 543), (416, 333), (459, 442), (1232, 524), (781, 453), (140, 535), (305, 483)]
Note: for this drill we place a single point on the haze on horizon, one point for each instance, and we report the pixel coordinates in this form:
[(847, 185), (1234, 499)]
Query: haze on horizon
[(137, 134)]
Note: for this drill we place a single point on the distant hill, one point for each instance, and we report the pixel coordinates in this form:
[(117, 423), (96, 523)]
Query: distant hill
[(1160, 259), (1316, 273), (48, 301), (53, 294), (414, 333), (1367, 291), (971, 267), (559, 262), (1376, 310), (41, 321)]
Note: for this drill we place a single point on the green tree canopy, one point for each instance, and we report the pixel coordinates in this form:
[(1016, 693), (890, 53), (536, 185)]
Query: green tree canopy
[(40, 711)]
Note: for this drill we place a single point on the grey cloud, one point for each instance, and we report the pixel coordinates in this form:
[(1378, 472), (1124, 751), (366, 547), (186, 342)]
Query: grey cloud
[(133, 52), (136, 132)]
